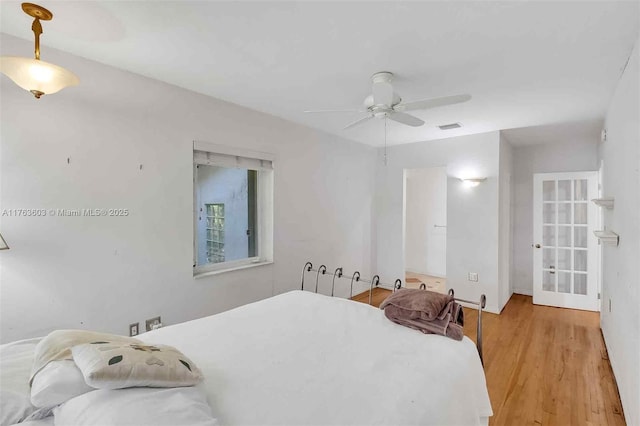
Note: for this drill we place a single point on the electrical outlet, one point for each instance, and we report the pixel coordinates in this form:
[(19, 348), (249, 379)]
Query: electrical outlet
[(134, 329), (473, 276), (153, 323)]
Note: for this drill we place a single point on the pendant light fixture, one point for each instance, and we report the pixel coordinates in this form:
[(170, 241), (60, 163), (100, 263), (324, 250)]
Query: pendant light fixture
[(34, 75)]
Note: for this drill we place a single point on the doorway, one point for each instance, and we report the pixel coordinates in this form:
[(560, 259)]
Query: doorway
[(425, 239), (565, 249)]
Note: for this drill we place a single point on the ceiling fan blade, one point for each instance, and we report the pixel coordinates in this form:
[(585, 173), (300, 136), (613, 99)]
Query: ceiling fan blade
[(407, 119), (359, 121), (333, 110), (432, 103), (382, 93)]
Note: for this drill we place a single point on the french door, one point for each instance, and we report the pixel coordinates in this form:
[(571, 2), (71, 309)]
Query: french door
[(565, 254)]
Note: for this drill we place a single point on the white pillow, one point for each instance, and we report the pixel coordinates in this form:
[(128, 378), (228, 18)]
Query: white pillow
[(107, 365), (15, 366), (137, 406), (57, 382), (14, 407)]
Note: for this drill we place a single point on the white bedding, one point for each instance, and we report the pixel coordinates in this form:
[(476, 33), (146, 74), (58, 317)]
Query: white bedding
[(302, 358), (16, 359), (47, 421)]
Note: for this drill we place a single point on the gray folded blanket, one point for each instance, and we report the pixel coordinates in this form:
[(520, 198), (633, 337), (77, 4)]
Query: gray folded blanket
[(426, 311)]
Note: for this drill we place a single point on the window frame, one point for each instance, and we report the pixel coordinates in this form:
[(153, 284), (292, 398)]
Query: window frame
[(264, 207)]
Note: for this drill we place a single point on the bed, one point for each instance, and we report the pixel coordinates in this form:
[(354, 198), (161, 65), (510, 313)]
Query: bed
[(303, 358)]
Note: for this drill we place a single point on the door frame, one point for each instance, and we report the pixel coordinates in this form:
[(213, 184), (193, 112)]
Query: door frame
[(541, 297), (405, 176)]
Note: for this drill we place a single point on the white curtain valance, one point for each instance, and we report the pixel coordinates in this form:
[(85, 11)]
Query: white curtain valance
[(230, 157), (231, 161)]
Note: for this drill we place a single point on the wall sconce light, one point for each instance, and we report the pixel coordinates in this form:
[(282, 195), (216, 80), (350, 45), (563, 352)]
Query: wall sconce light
[(472, 183), (34, 75), (3, 244)]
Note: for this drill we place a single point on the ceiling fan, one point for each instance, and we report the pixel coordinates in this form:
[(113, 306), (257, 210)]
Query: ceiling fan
[(383, 102)]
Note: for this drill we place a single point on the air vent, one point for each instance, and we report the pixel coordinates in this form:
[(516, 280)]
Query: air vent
[(450, 126)]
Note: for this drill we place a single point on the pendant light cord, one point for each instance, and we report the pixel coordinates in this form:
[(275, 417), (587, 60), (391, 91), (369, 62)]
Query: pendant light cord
[(385, 140)]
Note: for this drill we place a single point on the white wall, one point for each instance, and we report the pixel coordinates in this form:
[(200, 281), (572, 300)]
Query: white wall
[(505, 231), (621, 180), (571, 156), (472, 213), (103, 273), (426, 221)]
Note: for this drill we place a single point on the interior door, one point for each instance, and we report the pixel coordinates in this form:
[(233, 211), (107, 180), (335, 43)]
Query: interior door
[(565, 253)]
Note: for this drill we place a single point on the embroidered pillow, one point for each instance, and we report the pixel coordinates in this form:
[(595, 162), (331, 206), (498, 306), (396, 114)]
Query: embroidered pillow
[(57, 346), (107, 365)]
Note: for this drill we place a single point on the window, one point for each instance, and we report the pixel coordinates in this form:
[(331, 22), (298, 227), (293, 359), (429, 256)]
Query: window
[(233, 208), (215, 233)]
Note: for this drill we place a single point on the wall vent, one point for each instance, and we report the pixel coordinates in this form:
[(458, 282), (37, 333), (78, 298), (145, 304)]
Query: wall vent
[(450, 126)]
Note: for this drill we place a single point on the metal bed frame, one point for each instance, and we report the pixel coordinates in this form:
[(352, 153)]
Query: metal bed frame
[(375, 282)]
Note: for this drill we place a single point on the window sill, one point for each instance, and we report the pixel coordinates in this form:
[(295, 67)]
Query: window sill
[(204, 274)]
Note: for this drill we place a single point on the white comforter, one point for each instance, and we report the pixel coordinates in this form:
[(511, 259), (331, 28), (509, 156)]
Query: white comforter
[(301, 358)]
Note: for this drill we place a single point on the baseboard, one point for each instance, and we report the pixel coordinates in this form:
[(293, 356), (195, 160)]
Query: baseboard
[(507, 302), (613, 364), (525, 291)]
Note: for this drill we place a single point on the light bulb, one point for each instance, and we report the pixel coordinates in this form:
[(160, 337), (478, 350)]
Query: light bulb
[(40, 73)]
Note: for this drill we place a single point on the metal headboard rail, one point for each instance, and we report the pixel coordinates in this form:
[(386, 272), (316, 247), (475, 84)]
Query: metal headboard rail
[(375, 281), (355, 277), (480, 304)]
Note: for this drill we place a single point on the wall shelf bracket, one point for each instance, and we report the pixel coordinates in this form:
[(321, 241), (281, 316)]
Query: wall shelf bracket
[(608, 237), (607, 203)]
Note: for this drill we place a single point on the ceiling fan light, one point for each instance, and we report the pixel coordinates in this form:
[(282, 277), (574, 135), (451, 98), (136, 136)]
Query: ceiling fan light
[(36, 76)]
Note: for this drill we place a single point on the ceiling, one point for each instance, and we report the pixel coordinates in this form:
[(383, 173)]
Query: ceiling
[(526, 63), (557, 133)]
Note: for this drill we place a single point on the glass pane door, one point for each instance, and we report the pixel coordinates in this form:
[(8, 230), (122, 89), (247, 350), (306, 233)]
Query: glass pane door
[(565, 249), (564, 235)]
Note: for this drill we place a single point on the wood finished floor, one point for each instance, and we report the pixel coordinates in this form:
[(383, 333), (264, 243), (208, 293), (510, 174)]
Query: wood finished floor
[(433, 283), (544, 366)]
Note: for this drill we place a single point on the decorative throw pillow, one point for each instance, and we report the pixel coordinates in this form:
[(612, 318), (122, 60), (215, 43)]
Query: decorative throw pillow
[(107, 365), (57, 346), (57, 382)]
